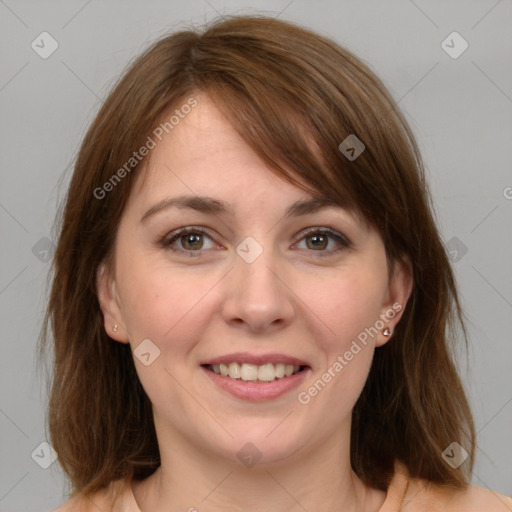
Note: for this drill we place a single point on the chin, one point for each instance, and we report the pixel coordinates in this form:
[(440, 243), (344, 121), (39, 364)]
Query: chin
[(266, 443)]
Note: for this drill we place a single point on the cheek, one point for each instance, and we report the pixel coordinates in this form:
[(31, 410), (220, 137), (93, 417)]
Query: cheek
[(160, 303), (170, 306), (349, 306), (343, 306)]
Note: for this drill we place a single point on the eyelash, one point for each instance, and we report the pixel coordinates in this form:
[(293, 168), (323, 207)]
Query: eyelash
[(343, 242)]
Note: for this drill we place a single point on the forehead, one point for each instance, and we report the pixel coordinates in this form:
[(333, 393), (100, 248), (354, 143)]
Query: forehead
[(204, 154)]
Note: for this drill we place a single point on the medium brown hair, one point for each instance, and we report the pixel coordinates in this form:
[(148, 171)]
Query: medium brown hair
[(293, 96)]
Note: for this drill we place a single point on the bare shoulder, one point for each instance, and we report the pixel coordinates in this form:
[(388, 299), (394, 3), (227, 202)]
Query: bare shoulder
[(423, 497)]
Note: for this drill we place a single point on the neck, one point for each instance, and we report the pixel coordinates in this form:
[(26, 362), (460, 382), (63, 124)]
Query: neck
[(320, 479)]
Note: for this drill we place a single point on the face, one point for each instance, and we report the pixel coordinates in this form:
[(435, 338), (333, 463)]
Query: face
[(253, 288)]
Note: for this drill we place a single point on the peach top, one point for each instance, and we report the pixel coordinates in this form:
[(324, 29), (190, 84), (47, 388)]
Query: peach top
[(404, 494)]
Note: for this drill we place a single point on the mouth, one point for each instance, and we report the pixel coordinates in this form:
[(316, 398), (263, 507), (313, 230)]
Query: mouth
[(256, 378), (261, 374)]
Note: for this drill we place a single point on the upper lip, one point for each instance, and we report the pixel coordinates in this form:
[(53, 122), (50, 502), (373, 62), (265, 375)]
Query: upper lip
[(257, 359)]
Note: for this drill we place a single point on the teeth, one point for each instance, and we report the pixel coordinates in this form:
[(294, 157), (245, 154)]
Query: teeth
[(251, 372), (234, 370), (266, 373)]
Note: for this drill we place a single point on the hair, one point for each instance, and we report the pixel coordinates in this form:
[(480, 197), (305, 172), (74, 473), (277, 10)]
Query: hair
[(293, 96)]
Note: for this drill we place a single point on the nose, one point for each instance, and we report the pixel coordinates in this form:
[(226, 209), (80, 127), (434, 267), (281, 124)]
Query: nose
[(258, 297)]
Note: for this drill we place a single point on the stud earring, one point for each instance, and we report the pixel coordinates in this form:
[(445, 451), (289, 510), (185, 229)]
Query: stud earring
[(387, 331), (114, 328)]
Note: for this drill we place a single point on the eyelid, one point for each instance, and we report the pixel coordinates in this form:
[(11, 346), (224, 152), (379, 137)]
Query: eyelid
[(343, 242), (340, 237), (175, 235)]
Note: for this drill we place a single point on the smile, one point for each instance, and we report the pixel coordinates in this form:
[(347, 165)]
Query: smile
[(254, 378), (264, 373)]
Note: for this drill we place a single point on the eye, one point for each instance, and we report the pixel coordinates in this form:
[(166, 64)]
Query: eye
[(319, 240), (191, 239)]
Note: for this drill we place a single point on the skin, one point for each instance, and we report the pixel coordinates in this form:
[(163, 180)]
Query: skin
[(290, 300)]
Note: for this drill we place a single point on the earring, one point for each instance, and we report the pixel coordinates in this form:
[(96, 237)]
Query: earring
[(387, 331), (114, 328)]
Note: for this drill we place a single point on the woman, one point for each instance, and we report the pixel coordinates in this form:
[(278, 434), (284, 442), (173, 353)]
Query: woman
[(250, 297)]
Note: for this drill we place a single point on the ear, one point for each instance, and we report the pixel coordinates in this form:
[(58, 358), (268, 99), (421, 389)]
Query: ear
[(398, 293), (110, 305)]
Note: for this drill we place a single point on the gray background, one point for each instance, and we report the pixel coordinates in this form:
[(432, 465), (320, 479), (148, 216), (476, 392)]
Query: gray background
[(460, 109)]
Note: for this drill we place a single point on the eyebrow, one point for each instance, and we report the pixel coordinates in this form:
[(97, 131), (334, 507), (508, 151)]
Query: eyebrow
[(206, 204)]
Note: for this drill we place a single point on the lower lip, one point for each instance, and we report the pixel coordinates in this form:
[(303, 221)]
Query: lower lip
[(255, 391)]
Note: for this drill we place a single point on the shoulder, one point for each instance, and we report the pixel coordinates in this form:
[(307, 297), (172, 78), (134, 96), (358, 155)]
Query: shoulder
[(424, 496), (117, 497)]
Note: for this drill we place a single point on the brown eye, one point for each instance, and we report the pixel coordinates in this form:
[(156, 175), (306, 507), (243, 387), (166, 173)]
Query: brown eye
[(318, 241), (188, 240), (192, 241), (324, 241)]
